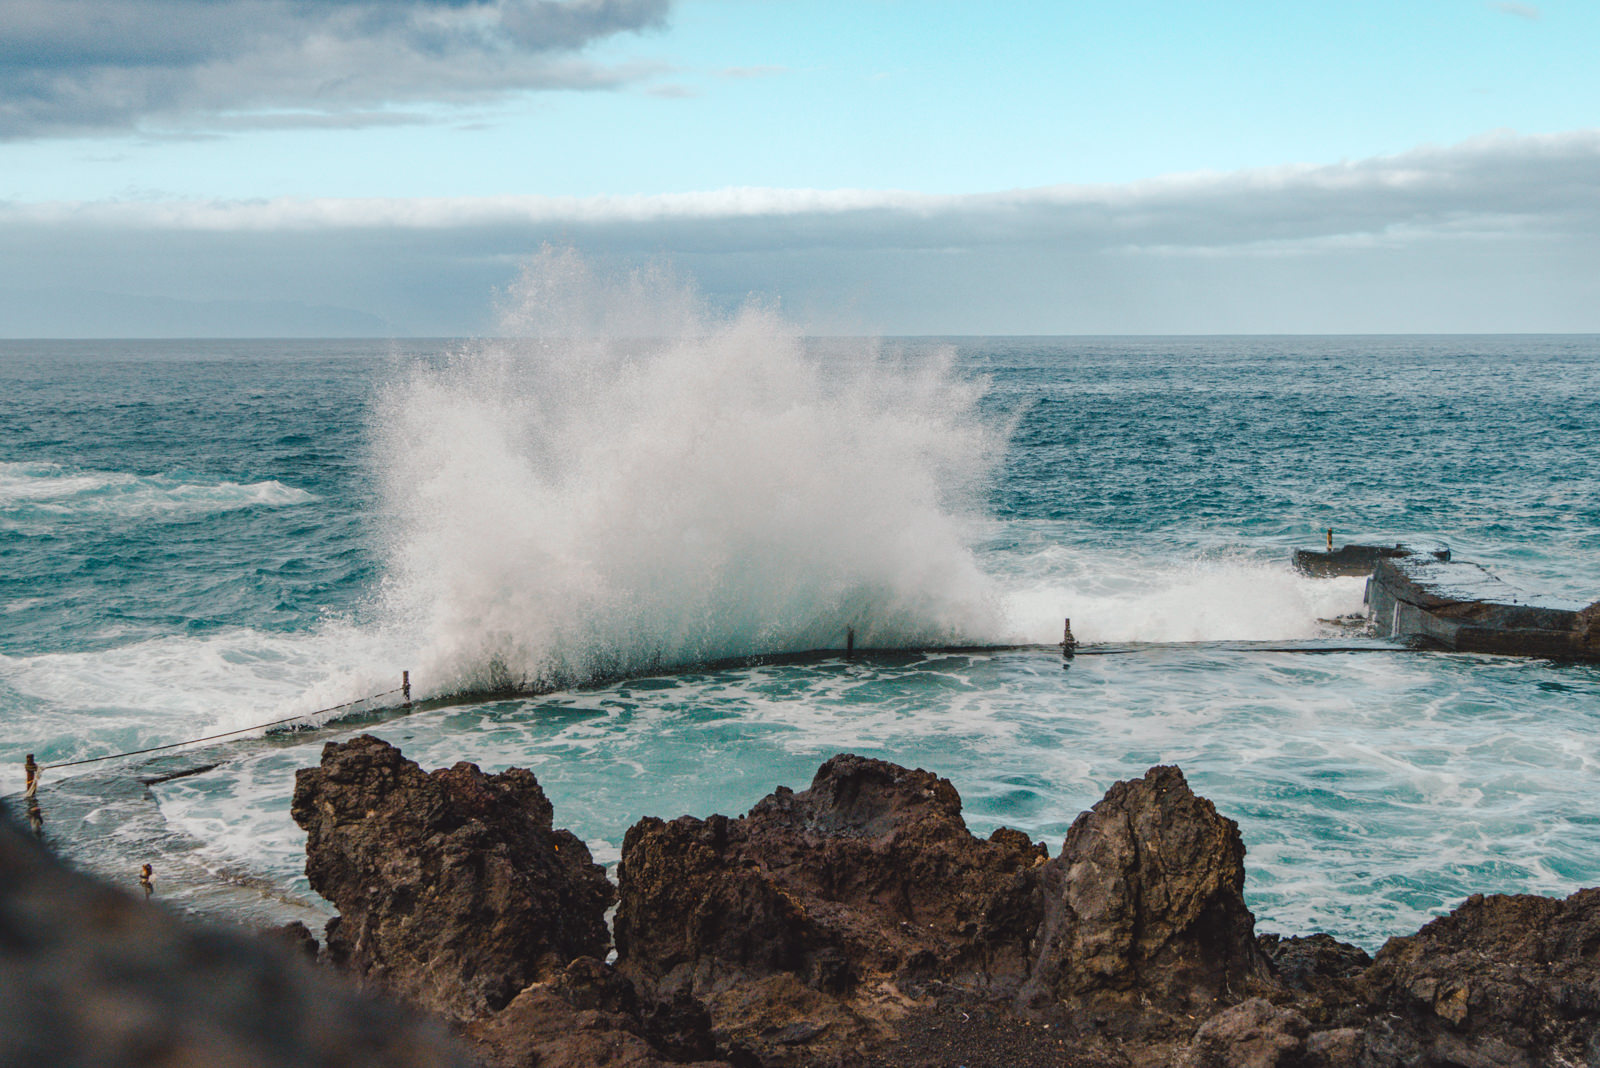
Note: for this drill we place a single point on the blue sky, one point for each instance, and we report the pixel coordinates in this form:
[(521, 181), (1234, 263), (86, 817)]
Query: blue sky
[(1172, 166)]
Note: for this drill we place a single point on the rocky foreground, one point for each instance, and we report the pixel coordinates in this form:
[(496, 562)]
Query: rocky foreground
[(856, 923), (93, 978), (859, 922)]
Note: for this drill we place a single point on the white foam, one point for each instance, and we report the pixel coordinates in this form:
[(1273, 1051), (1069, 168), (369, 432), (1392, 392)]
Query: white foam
[(1130, 598), (49, 491), (181, 687), (1373, 791)]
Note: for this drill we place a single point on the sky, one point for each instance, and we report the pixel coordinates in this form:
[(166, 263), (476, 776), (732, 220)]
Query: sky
[(385, 167)]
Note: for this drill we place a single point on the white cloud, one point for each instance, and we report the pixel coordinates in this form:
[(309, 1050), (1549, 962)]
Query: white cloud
[(1501, 232), (1495, 184)]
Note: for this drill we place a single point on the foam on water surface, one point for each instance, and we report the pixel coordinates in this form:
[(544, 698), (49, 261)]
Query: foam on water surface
[(1373, 790), (32, 495), (159, 691)]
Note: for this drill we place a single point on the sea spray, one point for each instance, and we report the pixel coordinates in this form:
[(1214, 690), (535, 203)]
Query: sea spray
[(1125, 595), (632, 481)]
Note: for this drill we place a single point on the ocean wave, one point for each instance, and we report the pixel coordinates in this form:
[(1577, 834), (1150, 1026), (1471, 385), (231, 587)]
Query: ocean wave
[(40, 491), (583, 503)]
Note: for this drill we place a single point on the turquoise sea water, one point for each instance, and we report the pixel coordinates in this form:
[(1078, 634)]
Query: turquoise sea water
[(197, 536)]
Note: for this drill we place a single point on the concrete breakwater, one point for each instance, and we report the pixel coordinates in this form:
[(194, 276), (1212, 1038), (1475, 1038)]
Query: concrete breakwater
[(1423, 596)]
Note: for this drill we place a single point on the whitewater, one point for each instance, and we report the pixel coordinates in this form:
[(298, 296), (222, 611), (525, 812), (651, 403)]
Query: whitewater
[(572, 537)]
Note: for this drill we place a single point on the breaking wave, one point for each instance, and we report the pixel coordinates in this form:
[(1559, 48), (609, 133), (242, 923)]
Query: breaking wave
[(632, 480)]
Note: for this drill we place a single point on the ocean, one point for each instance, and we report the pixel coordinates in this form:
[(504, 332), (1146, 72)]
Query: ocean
[(201, 536)]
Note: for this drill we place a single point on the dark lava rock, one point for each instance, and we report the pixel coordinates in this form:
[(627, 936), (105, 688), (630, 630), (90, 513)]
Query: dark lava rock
[(591, 1015), (1145, 924), (802, 909), (870, 871), (1502, 980), (1323, 971), (978, 1034), (452, 887), (1252, 1034), (859, 923), (1304, 962), (90, 976)]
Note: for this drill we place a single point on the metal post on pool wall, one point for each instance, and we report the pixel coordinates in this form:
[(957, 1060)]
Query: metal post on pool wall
[(405, 685), (1069, 644)]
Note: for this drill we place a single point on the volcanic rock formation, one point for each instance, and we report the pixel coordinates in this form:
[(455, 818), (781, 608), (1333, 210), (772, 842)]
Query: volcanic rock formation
[(859, 922), (807, 923), (1144, 910), (453, 888)]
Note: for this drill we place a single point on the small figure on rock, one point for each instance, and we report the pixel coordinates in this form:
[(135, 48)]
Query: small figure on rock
[(145, 874)]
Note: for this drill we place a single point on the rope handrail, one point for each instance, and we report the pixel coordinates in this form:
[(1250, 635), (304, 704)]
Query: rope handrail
[(404, 688)]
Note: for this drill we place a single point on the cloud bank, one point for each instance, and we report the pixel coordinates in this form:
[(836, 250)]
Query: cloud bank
[(79, 66), (1499, 233), (1493, 185)]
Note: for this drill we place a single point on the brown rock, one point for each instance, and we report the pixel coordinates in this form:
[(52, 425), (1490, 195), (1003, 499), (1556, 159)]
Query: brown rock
[(590, 1015), (1514, 979), (453, 888), (871, 870), (1145, 924), (1252, 1034), (1306, 962), (806, 906), (90, 976), (1341, 1047), (1323, 971)]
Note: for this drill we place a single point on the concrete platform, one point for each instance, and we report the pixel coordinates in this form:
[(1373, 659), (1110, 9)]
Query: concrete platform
[(1461, 606), (1359, 560)]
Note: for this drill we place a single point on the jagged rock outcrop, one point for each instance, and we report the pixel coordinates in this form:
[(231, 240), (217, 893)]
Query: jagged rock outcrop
[(859, 923), (1502, 980), (1145, 922), (453, 888), (1321, 972), (90, 976), (870, 871), (807, 905)]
